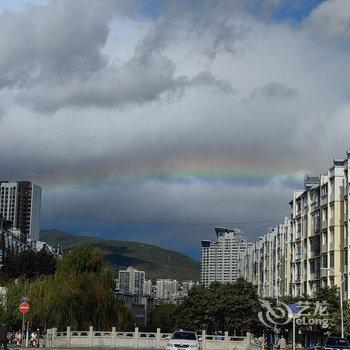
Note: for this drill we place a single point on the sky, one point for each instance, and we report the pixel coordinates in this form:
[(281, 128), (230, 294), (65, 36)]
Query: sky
[(157, 121)]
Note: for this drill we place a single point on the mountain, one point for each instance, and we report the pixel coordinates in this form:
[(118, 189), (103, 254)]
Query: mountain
[(155, 261)]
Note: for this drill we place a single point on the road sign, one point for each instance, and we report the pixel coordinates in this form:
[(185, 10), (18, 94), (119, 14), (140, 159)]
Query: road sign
[(24, 308)]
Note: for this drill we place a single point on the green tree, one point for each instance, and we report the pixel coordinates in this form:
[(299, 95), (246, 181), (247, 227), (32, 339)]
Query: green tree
[(29, 264), (221, 307), (11, 315), (163, 317), (80, 294), (332, 296), (194, 311), (81, 259)]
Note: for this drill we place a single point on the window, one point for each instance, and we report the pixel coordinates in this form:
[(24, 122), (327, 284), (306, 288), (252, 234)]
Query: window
[(331, 235), (345, 256), (331, 185), (324, 238), (316, 221), (331, 260), (324, 214), (324, 190)]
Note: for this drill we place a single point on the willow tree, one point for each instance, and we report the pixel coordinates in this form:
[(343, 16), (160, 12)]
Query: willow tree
[(80, 294)]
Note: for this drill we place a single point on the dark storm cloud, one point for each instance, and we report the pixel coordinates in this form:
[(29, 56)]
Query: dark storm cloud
[(158, 201), (108, 109), (273, 91), (138, 82)]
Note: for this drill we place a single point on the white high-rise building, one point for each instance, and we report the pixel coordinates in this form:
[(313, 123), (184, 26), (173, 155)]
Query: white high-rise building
[(20, 204), (311, 249), (167, 289), (220, 259), (147, 288), (131, 281), (266, 263)]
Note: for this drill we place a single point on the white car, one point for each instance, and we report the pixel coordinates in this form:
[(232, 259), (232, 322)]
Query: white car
[(183, 340)]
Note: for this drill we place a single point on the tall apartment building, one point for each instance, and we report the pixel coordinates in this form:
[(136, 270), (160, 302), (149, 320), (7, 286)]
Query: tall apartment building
[(167, 289), (186, 286), (147, 287), (20, 203), (319, 240), (266, 263), (313, 249), (220, 258), (131, 281)]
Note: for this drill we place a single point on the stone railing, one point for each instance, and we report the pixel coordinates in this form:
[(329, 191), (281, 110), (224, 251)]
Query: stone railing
[(143, 340)]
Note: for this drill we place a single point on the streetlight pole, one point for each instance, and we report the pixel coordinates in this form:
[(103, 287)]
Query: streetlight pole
[(341, 297), (293, 332)]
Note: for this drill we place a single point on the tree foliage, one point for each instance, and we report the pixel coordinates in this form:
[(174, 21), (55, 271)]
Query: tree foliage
[(80, 294), (221, 307), (163, 317), (332, 296), (29, 264)]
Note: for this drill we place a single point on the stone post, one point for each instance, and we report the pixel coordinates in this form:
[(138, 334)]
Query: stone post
[(227, 344), (136, 337), (91, 335), (248, 340), (114, 338), (68, 335), (54, 334), (263, 341), (158, 338), (48, 342), (204, 343)]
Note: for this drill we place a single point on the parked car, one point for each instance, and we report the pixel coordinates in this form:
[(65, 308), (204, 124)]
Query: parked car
[(183, 340), (336, 343)]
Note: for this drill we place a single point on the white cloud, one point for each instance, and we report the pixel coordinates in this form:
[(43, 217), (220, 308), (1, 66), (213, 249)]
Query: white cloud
[(331, 21)]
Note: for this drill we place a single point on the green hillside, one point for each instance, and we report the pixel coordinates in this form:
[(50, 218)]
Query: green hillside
[(157, 262)]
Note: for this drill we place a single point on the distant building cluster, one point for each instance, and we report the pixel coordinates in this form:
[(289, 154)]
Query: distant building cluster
[(307, 251), (143, 295), (20, 207)]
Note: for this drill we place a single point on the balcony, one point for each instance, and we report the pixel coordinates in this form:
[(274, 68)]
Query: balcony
[(315, 205), (332, 197), (316, 227), (314, 253), (298, 235), (315, 275), (324, 273), (324, 224), (298, 256), (324, 200), (297, 278)]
